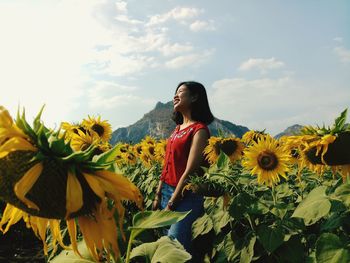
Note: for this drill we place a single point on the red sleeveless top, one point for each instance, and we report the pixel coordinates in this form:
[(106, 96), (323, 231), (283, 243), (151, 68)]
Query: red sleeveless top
[(177, 151)]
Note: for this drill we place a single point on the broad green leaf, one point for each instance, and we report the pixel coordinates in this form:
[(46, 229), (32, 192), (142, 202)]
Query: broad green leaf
[(271, 237), (291, 251), (340, 121), (163, 250), (315, 206), (227, 247), (220, 220), (155, 219), (343, 193), (68, 256), (330, 249), (247, 252), (240, 205), (202, 226)]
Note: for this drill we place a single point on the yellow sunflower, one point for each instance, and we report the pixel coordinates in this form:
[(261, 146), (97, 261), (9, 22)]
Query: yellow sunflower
[(268, 160), (253, 136), (160, 149), (44, 181), (102, 128), (232, 147)]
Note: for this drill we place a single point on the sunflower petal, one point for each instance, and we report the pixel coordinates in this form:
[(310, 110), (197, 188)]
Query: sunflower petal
[(72, 230), (23, 186), (15, 144), (5, 118), (121, 184), (74, 194), (10, 216)]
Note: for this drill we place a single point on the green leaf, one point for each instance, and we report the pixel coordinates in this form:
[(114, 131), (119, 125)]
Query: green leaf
[(271, 237), (220, 220), (68, 256), (202, 226), (36, 122), (343, 193), (280, 209), (330, 249), (340, 121), (315, 206), (291, 251), (163, 250), (240, 205), (155, 219), (107, 157), (247, 252), (223, 161)]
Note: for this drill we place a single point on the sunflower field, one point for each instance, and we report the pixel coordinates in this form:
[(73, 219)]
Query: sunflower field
[(266, 199)]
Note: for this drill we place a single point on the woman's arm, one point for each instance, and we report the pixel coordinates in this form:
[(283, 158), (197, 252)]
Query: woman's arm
[(194, 161)]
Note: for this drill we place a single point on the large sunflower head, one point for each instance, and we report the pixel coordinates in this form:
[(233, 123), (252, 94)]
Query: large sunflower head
[(44, 181), (102, 128), (231, 146), (268, 160)]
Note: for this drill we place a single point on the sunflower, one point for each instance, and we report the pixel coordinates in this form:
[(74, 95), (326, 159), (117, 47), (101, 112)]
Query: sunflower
[(102, 128), (232, 147), (160, 149), (148, 140), (267, 159), (253, 136), (44, 181), (81, 141)]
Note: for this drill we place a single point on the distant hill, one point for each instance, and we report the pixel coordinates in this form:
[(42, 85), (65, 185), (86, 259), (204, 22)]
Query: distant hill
[(158, 124), (292, 130)]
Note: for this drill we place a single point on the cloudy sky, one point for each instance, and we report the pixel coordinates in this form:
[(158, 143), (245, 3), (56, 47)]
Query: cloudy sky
[(265, 64)]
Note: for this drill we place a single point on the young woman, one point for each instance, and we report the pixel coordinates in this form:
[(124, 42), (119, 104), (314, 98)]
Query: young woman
[(184, 157)]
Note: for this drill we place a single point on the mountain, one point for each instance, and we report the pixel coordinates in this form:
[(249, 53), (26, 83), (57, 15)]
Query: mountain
[(292, 130), (158, 124)]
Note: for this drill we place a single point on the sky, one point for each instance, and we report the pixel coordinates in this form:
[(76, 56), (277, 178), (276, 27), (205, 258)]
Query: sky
[(265, 64)]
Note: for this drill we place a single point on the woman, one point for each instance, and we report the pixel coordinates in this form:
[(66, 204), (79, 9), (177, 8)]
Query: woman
[(184, 157)]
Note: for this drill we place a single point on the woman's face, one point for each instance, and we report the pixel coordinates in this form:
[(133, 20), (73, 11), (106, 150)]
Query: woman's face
[(182, 99)]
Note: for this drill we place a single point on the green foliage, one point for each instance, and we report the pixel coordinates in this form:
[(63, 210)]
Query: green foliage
[(68, 256), (163, 250), (330, 249)]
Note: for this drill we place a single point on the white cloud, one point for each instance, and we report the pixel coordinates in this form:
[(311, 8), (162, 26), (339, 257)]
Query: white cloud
[(109, 95), (343, 54), (200, 25), (195, 60), (275, 103), (262, 64), (121, 6), (338, 39), (173, 49), (179, 14)]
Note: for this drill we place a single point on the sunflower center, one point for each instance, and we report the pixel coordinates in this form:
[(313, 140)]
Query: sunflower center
[(98, 129), (229, 147), (267, 160)]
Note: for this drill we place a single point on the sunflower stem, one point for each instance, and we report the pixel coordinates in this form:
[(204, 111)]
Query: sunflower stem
[(273, 192)]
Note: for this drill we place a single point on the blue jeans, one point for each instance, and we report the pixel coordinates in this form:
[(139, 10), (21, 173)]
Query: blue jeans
[(182, 230)]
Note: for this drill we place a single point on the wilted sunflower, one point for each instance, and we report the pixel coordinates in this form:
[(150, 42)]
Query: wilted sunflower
[(232, 147), (44, 181), (102, 128), (266, 159)]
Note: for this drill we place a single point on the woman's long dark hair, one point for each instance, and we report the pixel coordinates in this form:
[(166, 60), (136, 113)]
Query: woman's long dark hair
[(200, 110)]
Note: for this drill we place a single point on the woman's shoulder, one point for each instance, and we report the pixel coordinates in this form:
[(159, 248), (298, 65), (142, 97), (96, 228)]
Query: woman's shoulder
[(200, 125)]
